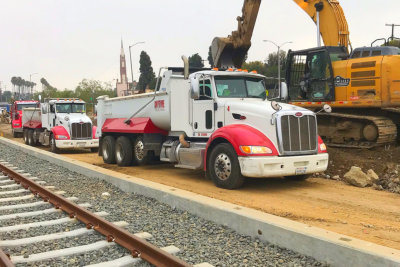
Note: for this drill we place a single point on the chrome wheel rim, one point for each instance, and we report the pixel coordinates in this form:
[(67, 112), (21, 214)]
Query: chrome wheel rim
[(223, 166), (139, 150)]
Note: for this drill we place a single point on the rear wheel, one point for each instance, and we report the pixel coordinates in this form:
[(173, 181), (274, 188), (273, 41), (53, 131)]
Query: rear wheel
[(31, 140), (123, 151), (140, 156), (298, 177), (25, 135), (108, 149), (223, 167), (53, 146)]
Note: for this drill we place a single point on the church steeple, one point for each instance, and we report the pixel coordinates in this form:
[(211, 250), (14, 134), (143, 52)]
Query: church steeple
[(122, 66)]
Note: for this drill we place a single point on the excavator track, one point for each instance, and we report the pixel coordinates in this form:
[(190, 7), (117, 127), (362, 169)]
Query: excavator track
[(341, 129)]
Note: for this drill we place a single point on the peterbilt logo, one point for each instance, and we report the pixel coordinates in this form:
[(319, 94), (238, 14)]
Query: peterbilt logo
[(159, 105), (340, 81)]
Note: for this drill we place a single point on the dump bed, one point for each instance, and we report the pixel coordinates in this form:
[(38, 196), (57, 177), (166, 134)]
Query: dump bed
[(31, 118)]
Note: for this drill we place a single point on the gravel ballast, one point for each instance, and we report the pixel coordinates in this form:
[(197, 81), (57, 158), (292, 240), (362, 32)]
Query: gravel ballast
[(199, 240)]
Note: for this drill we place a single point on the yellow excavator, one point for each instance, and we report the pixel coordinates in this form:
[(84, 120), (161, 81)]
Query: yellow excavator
[(361, 85)]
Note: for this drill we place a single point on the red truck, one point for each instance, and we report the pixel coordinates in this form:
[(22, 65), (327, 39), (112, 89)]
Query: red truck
[(16, 114)]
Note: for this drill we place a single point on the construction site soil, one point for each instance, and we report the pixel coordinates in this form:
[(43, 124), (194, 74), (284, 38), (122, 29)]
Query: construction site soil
[(364, 213)]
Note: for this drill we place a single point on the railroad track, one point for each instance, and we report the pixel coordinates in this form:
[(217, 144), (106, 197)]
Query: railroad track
[(27, 203)]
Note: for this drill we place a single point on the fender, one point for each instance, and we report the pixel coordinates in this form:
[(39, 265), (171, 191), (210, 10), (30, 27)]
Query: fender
[(136, 126), (238, 135), (60, 131)]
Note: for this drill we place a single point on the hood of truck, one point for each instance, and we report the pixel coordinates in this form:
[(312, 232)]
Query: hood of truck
[(73, 117), (258, 114)]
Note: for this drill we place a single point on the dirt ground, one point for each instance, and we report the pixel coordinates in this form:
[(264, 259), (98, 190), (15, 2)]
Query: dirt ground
[(363, 213)]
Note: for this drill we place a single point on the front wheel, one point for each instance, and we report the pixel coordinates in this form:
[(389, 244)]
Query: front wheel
[(53, 146), (223, 167), (14, 133)]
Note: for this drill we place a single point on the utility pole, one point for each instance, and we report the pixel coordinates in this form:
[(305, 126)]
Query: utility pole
[(393, 26)]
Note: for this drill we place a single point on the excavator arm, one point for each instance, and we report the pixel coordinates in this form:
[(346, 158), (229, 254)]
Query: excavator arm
[(333, 24), (232, 50)]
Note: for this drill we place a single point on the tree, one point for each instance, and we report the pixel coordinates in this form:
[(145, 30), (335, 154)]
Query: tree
[(258, 66), (394, 43), (270, 68), (195, 61), (147, 77), (210, 58), (90, 90)]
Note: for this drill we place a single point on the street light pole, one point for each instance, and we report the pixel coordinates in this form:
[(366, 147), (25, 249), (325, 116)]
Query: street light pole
[(30, 80), (279, 61), (130, 57)]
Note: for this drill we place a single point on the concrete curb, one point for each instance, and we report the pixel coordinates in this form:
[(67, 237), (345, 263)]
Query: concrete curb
[(323, 245)]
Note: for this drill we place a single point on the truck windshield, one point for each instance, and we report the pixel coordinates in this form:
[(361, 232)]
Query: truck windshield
[(22, 106), (240, 87), (70, 108)]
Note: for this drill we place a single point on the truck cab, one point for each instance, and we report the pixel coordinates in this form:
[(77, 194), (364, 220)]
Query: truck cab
[(16, 114)]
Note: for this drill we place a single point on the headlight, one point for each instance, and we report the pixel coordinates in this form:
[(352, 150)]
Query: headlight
[(322, 147), (61, 137), (255, 150)]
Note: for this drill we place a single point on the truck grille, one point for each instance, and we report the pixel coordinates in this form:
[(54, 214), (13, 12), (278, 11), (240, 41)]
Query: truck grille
[(81, 130), (298, 135)]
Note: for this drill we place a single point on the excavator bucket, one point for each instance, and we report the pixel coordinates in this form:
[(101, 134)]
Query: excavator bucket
[(226, 55), (231, 52)]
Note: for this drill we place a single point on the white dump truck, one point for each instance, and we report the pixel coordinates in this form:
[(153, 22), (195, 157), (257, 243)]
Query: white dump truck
[(218, 121), (59, 123)]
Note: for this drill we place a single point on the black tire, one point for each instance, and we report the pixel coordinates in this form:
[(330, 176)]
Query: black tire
[(298, 177), (123, 151), (108, 149), (31, 140), (94, 149), (53, 146), (25, 136), (223, 167), (140, 156)]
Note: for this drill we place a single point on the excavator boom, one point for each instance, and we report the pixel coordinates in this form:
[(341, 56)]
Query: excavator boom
[(231, 51), (333, 23)]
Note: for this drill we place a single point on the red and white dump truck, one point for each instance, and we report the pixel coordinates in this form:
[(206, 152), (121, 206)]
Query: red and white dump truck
[(16, 114), (59, 123), (218, 121)]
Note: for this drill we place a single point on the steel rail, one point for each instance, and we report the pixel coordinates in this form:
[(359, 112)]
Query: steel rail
[(138, 247), (5, 260)]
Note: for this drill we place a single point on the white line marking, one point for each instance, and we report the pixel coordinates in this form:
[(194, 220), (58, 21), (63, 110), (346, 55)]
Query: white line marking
[(62, 252), (44, 223), (35, 239), (35, 213), (29, 205), (129, 260)]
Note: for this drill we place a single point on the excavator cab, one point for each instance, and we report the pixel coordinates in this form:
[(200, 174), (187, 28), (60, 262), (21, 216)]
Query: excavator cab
[(309, 73)]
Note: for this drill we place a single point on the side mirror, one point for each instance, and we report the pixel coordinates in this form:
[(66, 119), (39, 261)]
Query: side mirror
[(40, 98), (284, 91), (44, 109), (194, 88), (327, 108)]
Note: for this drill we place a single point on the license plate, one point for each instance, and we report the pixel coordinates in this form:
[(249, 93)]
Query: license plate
[(301, 170), (81, 144)]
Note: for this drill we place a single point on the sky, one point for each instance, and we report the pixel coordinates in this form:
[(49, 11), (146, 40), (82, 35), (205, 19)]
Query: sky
[(66, 41)]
